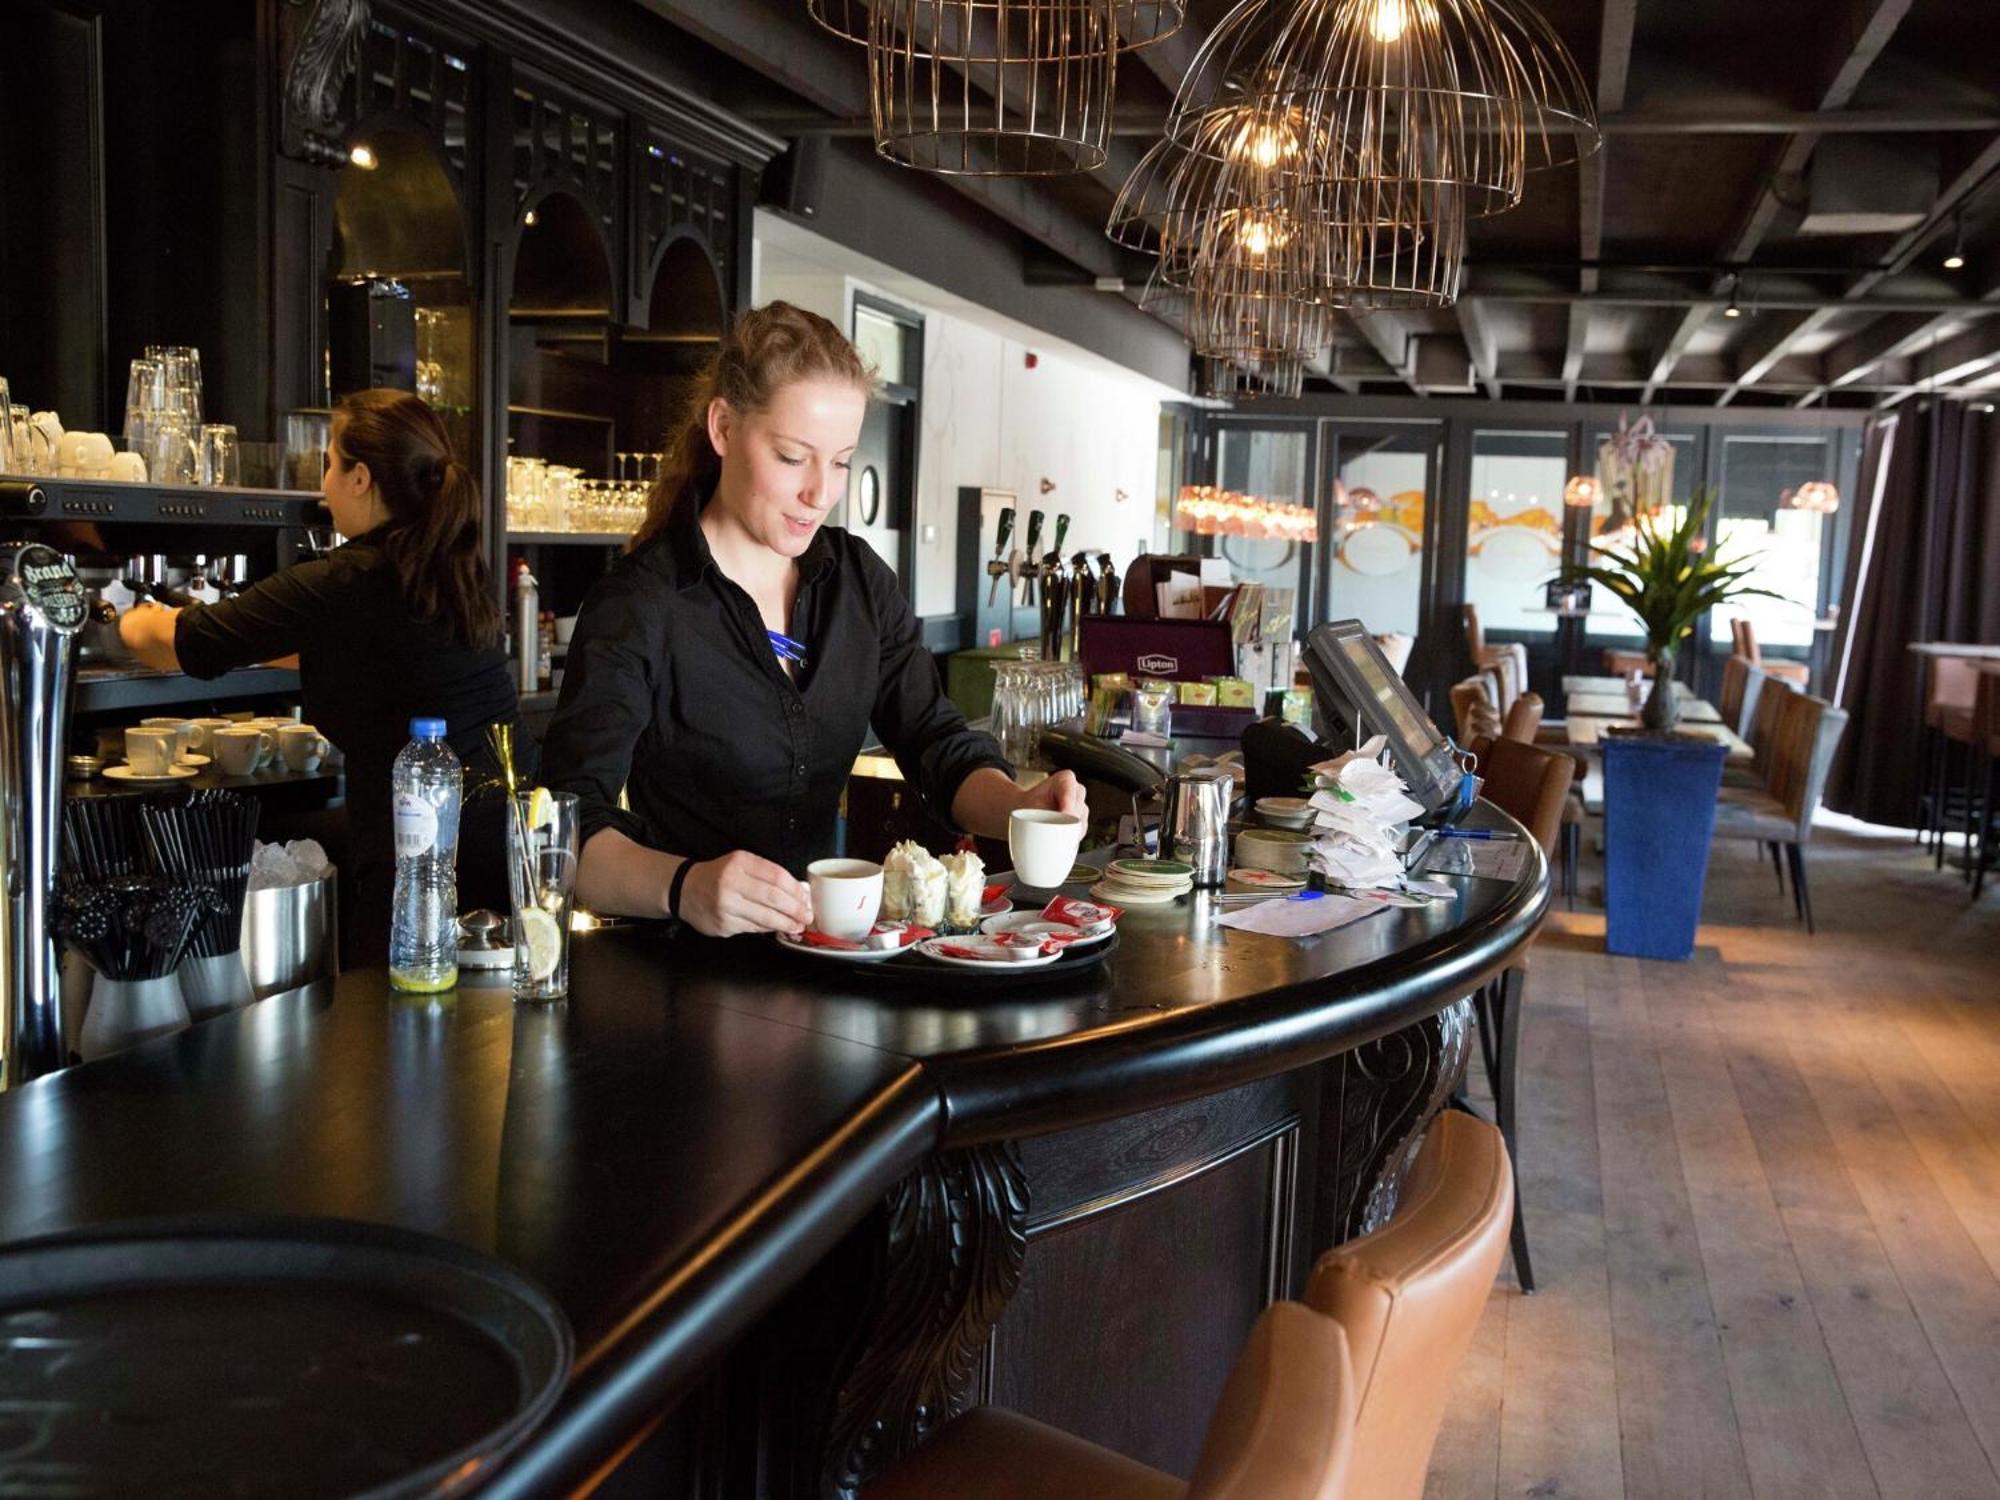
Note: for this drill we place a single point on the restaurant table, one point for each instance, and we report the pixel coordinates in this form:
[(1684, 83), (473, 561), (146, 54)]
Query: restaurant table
[(1955, 650), (796, 1216), (1584, 732), (1589, 684), (1618, 706)]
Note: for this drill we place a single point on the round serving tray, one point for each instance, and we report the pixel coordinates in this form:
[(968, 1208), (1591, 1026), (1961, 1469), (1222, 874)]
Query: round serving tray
[(254, 1356)]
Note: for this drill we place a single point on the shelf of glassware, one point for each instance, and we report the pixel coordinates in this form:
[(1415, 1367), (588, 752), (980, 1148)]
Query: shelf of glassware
[(172, 504)]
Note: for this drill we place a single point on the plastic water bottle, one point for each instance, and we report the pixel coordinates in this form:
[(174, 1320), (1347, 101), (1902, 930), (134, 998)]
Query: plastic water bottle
[(427, 785)]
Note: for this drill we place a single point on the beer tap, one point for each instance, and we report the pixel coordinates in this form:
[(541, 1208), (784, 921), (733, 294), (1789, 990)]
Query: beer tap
[(1055, 586), (1000, 565), (1030, 567), (1107, 585), (1082, 601)]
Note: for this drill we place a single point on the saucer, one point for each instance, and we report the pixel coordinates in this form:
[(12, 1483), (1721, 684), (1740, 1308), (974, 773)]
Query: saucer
[(193, 759), (126, 773), (932, 947), (839, 955), (1034, 925)]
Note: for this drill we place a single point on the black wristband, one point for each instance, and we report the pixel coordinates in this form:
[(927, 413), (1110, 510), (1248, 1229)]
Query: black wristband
[(674, 889)]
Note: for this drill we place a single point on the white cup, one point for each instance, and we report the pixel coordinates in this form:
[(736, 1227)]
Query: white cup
[(205, 732), (300, 746), (240, 748), (150, 751), (126, 468), (183, 733), (846, 896), (1043, 846)]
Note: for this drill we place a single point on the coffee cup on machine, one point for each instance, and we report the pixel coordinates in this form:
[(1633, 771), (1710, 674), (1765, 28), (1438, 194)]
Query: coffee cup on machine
[(300, 746), (241, 748), (151, 751)]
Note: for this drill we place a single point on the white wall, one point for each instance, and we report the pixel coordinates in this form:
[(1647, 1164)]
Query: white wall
[(988, 420)]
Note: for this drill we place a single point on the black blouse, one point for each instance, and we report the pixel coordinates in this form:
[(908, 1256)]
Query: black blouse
[(366, 668), (672, 692)]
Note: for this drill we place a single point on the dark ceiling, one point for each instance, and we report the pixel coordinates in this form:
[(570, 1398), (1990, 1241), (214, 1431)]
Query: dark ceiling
[(1735, 131)]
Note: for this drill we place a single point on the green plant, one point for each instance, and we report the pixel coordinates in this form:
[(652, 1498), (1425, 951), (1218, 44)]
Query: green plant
[(1663, 574)]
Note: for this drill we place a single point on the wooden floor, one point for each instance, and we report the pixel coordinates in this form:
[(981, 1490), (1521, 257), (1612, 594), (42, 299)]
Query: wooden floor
[(1763, 1190)]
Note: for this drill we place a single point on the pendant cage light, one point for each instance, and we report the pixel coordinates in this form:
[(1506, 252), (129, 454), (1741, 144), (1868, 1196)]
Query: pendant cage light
[(990, 88), (1140, 23), (1464, 94), (1358, 245), (1251, 380)]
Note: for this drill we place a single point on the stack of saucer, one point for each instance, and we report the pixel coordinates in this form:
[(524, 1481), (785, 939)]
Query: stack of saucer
[(1294, 814), (1277, 849), (1144, 882), (1249, 882)]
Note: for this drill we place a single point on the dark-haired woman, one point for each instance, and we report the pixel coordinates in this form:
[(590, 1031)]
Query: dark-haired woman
[(398, 623)]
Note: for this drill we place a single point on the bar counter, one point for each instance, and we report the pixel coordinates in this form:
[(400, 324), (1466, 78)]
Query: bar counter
[(789, 1212)]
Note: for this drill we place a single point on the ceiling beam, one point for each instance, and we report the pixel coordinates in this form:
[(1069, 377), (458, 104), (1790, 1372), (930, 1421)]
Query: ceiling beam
[(1170, 58), (1388, 338), (1481, 346), (1889, 337), (1858, 31), (1766, 346), (1614, 69)]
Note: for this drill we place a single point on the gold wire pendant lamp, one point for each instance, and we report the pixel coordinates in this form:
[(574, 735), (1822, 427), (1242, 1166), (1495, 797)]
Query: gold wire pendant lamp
[(1140, 22), (991, 88), (1460, 94), (1251, 380)]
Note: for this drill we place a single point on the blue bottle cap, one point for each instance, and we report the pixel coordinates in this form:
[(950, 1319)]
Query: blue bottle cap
[(427, 729)]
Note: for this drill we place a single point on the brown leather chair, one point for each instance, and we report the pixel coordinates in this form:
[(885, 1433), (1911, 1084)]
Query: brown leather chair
[(1531, 785), (1624, 663), (1524, 719), (1510, 660), (1284, 1430), (1473, 709), (1736, 672), (1982, 783), (1795, 673), (1339, 1398), (1410, 1296), (1950, 689)]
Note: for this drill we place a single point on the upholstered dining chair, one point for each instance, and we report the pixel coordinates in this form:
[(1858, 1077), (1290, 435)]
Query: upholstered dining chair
[(1736, 672), (1338, 1397), (1781, 814), (1951, 687), (1982, 782), (1744, 634), (1531, 784), (1511, 658)]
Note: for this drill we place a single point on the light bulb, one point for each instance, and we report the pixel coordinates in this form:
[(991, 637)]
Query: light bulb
[(1389, 20), (363, 157), (1257, 237)]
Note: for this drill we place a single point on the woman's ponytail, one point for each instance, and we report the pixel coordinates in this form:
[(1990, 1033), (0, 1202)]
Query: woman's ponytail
[(434, 533)]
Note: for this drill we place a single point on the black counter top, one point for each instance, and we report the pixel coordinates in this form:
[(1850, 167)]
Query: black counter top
[(675, 1146)]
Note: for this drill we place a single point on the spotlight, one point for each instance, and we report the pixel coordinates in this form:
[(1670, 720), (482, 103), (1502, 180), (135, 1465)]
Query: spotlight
[(363, 157), (1732, 311), (1956, 260)]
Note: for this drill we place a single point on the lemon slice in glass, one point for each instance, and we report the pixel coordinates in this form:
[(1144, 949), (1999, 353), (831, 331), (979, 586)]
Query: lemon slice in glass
[(537, 935), (541, 809)]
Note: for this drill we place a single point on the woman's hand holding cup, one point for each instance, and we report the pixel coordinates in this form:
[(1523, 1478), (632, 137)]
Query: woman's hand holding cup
[(741, 892)]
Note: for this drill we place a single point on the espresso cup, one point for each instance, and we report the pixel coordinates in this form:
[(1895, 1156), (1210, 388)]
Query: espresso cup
[(183, 733), (151, 751), (846, 896), (205, 731), (241, 748), (300, 746), (1043, 846)]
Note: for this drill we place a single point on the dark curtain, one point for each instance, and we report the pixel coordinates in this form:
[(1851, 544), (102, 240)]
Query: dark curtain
[(1923, 564)]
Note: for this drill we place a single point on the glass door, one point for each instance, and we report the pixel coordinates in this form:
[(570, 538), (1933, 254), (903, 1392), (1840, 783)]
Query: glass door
[(1757, 474), (1272, 461), (1374, 524)]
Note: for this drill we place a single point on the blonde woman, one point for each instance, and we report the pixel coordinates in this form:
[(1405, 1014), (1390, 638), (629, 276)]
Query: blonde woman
[(727, 671)]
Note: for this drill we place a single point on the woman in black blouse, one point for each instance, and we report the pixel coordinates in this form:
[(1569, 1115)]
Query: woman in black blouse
[(397, 624), (725, 673)]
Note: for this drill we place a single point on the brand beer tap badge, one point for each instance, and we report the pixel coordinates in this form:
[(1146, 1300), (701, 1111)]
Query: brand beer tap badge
[(50, 584)]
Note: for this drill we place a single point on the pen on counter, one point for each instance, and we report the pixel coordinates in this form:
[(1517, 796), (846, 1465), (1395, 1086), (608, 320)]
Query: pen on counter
[(1476, 833)]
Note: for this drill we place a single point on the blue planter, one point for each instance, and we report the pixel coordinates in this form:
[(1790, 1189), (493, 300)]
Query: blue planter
[(1659, 813)]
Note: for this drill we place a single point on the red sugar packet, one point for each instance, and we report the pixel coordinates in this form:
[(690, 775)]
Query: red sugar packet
[(1076, 913), (993, 893)]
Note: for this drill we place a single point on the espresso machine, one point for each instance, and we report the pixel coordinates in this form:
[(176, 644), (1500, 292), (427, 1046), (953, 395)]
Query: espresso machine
[(42, 607)]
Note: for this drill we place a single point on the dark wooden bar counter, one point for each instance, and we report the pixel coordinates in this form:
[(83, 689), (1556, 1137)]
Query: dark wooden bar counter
[(791, 1213)]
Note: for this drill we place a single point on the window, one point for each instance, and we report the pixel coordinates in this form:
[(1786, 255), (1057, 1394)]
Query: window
[(1513, 541), (1753, 520), (1272, 463), (1374, 557), (1608, 618)]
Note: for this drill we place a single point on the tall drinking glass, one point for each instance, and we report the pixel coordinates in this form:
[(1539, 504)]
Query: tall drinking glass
[(6, 429), (221, 459), (541, 871)]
